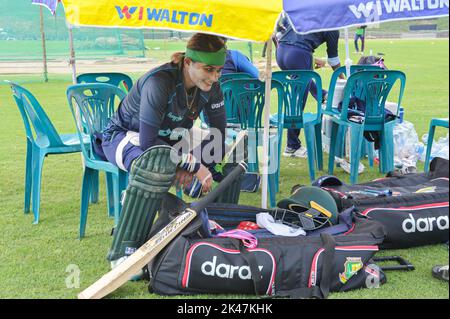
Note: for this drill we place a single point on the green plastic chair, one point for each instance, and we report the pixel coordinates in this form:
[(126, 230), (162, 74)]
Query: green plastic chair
[(377, 85), (231, 113), (95, 103), (42, 140), (433, 124), (291, 113), (248, 100), (234, 76), (120, 80), (367, 147)]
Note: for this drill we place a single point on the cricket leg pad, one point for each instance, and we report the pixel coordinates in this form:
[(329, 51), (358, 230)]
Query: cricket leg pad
[(151, 176)]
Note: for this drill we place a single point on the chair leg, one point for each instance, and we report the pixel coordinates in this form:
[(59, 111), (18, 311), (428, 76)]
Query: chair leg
[(279, 142), (272, 190), (116, 192), (387, 149), (274, 160), (38, 161), (340, 138), (370, 147), (28, 177), (356, 137), (310, 145), (319, 151), (94, 191), (123, 183), (86, 194), (252, 153), (429, 147), (332, 150), (110, 194)]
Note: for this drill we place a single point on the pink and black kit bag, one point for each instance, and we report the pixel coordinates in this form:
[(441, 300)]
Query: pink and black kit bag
[(413, 208), (337, 258)]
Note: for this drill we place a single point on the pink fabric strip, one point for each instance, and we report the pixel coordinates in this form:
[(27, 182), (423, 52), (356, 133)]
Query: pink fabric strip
[(248, 239)]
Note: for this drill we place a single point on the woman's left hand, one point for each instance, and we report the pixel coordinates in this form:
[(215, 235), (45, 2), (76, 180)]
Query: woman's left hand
[(205, 178)]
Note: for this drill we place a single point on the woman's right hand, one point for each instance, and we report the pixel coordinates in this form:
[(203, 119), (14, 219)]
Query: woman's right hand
[(183, 178), (205, 178)]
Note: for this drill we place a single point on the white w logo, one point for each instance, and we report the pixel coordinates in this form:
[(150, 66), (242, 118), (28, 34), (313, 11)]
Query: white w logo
[(362, 9)]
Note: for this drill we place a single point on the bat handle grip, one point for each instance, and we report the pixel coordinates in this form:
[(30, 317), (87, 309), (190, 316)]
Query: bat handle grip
[(220, 188)]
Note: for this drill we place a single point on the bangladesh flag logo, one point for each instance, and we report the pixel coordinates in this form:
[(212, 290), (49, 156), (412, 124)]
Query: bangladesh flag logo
[(351, 267)]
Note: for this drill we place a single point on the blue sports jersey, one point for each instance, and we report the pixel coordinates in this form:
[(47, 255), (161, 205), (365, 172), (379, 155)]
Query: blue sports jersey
[(238, 62), (159, 100)]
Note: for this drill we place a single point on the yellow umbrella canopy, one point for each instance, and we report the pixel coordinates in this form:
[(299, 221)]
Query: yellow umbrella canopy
[(251, 20)]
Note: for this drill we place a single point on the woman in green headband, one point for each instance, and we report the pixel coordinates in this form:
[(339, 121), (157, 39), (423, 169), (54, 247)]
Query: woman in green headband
[(202, 62), (160, 109), (166, 101)]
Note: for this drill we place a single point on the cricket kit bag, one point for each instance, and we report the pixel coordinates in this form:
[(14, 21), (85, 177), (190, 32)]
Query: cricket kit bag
[(413, 208), (263, 264)]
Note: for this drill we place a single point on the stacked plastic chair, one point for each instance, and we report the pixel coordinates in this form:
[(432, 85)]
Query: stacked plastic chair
[(367, 147), (95, 104), (120, 80), (248, 100), (377, 85)]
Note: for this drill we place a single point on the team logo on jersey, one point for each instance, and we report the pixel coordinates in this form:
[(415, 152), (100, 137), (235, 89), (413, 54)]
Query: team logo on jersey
[(217, 105)]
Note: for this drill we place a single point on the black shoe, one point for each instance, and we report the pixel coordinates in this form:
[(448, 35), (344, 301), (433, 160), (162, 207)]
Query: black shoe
[(440, 272)]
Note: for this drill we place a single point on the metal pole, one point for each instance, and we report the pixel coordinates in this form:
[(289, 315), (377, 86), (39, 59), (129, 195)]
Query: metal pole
[(142, 40), (348, 61), (250, 51), (44, 51), (72, 55), (265, 154)]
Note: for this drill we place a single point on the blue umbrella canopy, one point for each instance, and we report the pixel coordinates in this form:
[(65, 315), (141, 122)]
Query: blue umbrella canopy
[(320, 15), (50, 4)]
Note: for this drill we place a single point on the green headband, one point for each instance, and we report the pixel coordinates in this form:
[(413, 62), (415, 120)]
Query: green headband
[(209, 58)]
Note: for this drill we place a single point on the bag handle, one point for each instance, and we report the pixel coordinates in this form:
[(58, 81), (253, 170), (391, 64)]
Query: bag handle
[(251, 261), (403, 264), (322, 291)]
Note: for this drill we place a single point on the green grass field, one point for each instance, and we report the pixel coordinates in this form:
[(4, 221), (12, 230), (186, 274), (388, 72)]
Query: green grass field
[(37, 260)]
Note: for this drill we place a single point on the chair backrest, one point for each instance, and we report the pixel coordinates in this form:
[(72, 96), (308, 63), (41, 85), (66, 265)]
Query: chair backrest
[(296, 84), (117, 79), (246, 103), (234, 76), (34, 117), (342, 70), (377, 85), (95, 103)]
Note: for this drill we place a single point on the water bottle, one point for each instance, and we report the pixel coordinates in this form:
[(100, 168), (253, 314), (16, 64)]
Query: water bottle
[(425, 138), (420, 149)]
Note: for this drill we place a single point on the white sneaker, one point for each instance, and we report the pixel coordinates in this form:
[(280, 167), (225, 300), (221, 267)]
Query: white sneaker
[(346, 165), (300, 152)]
